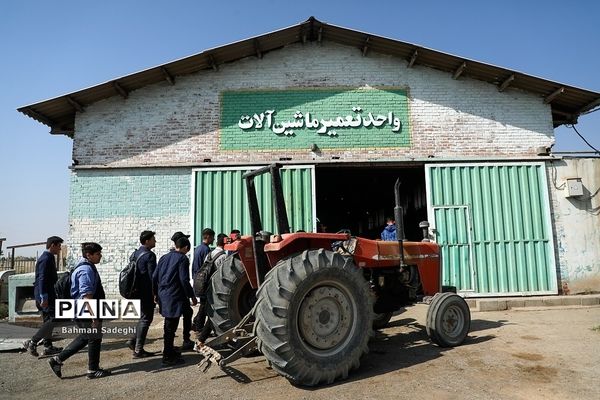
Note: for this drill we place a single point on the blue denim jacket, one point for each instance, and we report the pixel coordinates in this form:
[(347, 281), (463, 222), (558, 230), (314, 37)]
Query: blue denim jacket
[(84, 279)]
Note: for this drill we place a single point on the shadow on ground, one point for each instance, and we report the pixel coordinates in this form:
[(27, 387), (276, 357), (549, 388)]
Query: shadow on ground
[(388, 351)]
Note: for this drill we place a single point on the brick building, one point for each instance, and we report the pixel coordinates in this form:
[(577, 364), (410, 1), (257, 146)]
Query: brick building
[(347, 113)]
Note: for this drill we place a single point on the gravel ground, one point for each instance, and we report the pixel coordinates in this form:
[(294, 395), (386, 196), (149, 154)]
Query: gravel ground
[(551, 353)]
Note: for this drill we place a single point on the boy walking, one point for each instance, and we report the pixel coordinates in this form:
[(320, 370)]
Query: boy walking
[(146, 264), (45, 278), (171, 284), (85, 284), (187, 312)]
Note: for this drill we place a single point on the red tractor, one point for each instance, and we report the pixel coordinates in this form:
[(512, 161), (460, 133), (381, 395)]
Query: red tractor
[(309, 301)]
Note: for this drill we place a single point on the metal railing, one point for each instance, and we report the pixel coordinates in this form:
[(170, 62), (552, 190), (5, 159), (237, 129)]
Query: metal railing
[(19, 265), (24, 265)]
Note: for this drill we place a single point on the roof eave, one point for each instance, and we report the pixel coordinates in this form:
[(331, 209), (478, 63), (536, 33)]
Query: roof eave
[(567, 102)]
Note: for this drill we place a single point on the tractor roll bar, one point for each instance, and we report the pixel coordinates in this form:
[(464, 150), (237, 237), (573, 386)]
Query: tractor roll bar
[(281, 217), (260, 171), (283, 226)]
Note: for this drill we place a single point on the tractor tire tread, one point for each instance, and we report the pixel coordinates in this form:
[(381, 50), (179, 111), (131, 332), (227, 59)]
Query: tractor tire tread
[(276, 298), (222, 284), (440, 300)]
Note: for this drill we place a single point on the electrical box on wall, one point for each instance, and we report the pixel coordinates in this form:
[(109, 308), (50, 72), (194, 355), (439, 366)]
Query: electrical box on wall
[(574, 187)]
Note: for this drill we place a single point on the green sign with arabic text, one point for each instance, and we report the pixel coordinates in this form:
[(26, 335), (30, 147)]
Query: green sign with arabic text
[(330, 118)]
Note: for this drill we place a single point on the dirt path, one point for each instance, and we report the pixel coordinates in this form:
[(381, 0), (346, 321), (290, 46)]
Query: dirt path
[(525, 354)]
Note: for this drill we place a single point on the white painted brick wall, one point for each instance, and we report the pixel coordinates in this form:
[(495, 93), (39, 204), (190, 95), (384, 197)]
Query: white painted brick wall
[(162, 124)]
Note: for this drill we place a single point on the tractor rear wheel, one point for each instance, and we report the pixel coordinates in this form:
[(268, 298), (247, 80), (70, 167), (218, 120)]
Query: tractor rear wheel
[(230, 295), (448, 319), (314, 316)]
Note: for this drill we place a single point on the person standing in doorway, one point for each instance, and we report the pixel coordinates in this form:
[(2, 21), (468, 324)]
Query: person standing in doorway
[(45, 296), (389, 232), (171, 283)]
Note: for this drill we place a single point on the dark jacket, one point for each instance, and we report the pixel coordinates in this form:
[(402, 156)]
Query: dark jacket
[(171, 283), (389, 232), (145, 269), (200, 253), (45, 278)]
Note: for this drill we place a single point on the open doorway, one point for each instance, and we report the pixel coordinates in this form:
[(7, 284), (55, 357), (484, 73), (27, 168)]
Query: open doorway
[(359, 198)]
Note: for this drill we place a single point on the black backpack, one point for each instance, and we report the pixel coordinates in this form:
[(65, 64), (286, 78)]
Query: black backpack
[(62, 287), (203, 276), (128, 277)]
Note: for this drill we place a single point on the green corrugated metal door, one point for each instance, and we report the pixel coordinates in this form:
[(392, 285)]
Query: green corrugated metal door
[(506, 225), (220, 199), (453, 227)]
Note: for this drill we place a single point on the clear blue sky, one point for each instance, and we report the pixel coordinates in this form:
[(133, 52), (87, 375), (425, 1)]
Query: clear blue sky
[(50, 48)]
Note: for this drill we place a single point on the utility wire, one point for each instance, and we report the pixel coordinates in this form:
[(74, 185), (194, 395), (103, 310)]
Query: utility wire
[(582, 138), (591, 111)]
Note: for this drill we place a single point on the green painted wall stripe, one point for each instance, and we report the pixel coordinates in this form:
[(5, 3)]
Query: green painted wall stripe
[(510, 238), (138, 193), (221, 200)]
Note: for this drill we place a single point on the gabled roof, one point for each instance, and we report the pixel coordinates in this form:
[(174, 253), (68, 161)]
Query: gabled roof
[(567, 102)]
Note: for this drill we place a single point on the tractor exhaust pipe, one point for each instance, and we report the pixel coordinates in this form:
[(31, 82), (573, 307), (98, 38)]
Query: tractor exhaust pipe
[(399, 218)]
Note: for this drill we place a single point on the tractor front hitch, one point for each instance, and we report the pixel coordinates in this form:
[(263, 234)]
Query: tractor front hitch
[(240, 339)]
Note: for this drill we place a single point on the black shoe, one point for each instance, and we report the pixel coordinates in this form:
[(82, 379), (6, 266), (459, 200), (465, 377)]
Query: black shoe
[(100, 373), (131, 344), (143, 354), (187, 345), (169, 362), (51, 350), (31, 348), (56, 366)]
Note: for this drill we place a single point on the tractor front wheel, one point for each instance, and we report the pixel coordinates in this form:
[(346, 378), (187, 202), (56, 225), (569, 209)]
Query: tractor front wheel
[(448, 319), (314, 316)]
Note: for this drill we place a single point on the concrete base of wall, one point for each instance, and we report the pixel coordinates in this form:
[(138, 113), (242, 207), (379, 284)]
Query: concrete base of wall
[(539, 302), (21, 303)]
